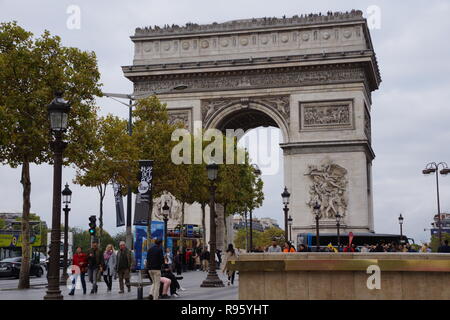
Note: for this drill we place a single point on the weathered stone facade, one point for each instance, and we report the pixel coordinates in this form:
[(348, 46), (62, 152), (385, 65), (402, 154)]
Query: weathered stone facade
[(311, 76)]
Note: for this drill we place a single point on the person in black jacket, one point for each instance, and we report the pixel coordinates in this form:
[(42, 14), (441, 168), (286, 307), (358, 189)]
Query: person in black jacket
[(155, 260), (444, 248), (174, 285), (178, 261)]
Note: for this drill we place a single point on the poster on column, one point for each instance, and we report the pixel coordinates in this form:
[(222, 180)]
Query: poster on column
[(144, 195), (120, 215), (140, 241)]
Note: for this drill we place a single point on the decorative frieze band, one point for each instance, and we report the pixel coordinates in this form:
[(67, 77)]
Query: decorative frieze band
[(253, 79)]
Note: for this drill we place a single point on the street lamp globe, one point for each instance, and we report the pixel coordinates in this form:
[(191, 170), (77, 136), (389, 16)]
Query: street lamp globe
[(67, 194), (213, 170), (165, 210), (316, 208), (290, 221), (285, 195), (256, 170), (58, 111), (400, 219), (338, 218)]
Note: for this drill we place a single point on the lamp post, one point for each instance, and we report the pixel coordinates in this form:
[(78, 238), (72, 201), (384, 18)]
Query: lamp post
[(165, 212), (318, 216), (257, 173), (212, 280), (290, 220), (246, 231), (285, 195), (433, 167), (67, 197), (58, 111), (400, 222), (338, 225), (132, 98)]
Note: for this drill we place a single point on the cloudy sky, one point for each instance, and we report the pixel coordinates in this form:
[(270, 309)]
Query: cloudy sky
[(410, 117)]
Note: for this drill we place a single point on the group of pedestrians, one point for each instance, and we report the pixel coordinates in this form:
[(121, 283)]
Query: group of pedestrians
[(379, 247), (110, 264)]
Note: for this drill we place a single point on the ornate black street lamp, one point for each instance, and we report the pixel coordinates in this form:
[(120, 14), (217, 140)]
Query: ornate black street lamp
[(58, 111), (257, 173), (290, 220), (212, 280), (67, 198), (338, 225), (400, 222), (433, 167), (318, 216), (285, 195), (165, 212)]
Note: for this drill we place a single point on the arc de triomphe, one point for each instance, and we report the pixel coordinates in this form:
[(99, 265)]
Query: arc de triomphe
[(311, 76)]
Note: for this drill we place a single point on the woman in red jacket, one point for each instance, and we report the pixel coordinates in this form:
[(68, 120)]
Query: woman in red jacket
[(79, 269)]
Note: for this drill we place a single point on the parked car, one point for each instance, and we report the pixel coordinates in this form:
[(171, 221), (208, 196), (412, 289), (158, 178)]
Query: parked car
[(10, 267)]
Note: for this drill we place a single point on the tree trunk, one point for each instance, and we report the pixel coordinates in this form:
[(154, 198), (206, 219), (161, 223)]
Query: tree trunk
[(181, 245), (203, 205), (102, 192), (225, 231), (24, 276)]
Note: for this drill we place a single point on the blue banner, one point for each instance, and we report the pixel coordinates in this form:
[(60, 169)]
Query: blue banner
[(140, 241)]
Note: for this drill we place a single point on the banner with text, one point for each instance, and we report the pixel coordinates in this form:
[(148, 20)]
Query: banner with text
[(144, 196), (120, 214)]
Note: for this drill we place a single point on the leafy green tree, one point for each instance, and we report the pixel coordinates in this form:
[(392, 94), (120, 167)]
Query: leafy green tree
[(272, 233), (82, 238), (240, 238), (434, 244), (152, 134), (31, 70), (2, 224), (113, 159)]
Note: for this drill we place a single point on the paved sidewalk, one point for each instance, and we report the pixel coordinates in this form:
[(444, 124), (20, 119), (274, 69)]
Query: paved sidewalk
[(191, 282)]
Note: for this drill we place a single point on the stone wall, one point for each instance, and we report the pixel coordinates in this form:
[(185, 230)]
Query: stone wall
[(342, 276)]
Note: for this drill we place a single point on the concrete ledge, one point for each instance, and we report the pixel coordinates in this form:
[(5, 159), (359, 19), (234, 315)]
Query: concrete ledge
[(336, 276)]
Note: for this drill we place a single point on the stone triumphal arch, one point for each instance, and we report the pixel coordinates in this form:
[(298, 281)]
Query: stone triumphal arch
[(309, 75)]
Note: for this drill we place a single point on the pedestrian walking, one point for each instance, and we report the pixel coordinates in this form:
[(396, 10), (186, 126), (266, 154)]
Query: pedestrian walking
[(205, 256), (155, 261), (109, 266), (178, 261), (79, 268), (124, 265), (95, 260), (229, 255), (168, 258)]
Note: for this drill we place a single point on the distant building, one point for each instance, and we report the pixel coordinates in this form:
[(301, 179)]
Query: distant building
[(269, 223), (260, 224), (10, 218)]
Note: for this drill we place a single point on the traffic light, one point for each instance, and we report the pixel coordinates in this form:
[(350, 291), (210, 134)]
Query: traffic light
[(92, 225)]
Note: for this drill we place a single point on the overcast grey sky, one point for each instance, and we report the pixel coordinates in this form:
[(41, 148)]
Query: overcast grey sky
[(410, 115)]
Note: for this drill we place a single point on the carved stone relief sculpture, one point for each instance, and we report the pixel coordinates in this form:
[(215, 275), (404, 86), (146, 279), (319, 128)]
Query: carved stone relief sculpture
[(174, 205), (328, 189)]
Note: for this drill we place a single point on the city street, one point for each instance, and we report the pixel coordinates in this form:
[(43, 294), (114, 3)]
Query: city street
[(191, 283)]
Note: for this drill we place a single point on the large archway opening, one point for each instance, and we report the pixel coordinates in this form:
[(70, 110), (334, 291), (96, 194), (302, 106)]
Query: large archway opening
[(264, 131)]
